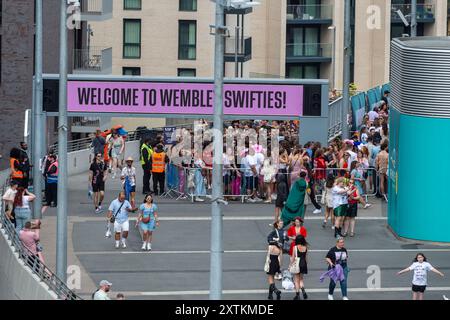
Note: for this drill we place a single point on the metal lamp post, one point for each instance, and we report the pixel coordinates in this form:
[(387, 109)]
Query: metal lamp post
[(333, 78)]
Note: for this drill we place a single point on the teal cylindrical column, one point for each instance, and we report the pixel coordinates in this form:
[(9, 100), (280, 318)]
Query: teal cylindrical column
[(419, 146)]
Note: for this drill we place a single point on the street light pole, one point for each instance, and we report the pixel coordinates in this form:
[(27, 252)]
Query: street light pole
[(215, 286), (38, 130), (333, 78), (413, 18), (61, 237), (347, 55)]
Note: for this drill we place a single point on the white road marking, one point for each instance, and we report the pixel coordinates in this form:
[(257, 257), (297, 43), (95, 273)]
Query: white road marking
[(264, 291), (231, 218), (251, 251)]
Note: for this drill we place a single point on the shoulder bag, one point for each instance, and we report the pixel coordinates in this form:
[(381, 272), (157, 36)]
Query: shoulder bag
[(294, 267), (113, 218)]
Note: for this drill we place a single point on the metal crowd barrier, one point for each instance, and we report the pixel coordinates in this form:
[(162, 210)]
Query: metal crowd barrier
[(36, 266), (184, 185)]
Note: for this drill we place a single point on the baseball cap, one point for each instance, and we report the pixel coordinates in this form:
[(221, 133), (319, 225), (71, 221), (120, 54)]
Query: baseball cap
[(105, 283)]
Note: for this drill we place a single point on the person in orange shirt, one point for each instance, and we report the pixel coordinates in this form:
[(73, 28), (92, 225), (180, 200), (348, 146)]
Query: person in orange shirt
[(159, 161)]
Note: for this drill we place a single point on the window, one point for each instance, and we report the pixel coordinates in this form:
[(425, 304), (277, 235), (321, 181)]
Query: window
[(186, 72), (132, 4), (303, 71), (187, 39), (131, 38), (188, 5), (131, 71), (304, 41)]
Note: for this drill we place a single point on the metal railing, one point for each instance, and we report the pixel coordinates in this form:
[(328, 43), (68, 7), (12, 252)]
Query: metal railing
[(86, 121), (36, 266), (335, 118), (88, 59), (91, 6), (294, 50), (310, 12), (424, 11)]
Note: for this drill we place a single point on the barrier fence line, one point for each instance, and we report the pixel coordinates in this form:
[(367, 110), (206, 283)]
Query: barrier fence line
[(25, 255), (187, 182)]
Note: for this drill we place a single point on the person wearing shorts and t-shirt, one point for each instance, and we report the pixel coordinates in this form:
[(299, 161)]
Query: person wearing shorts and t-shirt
[(148, 221), (420, 267), (119, 208)]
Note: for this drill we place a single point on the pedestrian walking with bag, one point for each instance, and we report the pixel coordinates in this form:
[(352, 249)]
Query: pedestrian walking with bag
[(148, 220), (128, 178), (272, 267), (278, 235), (337, 260), (118, 215), (299, 266), (420, 267)]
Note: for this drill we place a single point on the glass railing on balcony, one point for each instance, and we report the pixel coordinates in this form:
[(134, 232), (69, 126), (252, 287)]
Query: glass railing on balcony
[(424, 11), (243, 47), (303, 50), (88, 59), (309, 12)]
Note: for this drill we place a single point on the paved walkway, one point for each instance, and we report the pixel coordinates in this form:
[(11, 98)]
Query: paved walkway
[(178, 268)]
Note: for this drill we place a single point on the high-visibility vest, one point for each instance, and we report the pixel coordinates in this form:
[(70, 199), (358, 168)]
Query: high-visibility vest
[(15, 173), (150, 152), (158, 162)]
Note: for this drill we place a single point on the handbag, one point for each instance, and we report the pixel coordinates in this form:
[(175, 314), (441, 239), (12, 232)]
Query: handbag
[(267, 264), (294, 267), (145, 220), (113, 218)]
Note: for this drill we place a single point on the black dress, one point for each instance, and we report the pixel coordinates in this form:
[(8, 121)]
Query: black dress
[(274, 265), (303, 265)]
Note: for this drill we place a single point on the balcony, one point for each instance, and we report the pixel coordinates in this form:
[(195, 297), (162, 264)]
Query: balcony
[(308, 52), (85, 124), (94, 60), (425, 13), (96, 10), (243, 52), (309, 14)]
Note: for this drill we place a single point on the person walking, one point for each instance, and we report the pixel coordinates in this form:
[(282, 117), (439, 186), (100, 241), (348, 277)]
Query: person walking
[(282, 193), (294, 206), (128, 178), (51, 192), (295, 230), (146, 162), (98, 173), (98, 143), (117, 146), (352, 209), (118, 214), (30, 239), (279, 235), (22, 209), (420, 267), (381, 165), (273, 254), (300, 251), (159, 161), (338, 255), (8, 199), (327, 200), (340, 204), (102, 292), (148, 220)]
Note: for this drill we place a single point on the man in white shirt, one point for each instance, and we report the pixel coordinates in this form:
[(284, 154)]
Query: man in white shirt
[(249, 164), (353, 155), (373, 114), (119, 209), (102, 292)]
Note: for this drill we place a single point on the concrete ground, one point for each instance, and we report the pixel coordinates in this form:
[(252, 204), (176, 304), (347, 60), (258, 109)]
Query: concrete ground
[(178, 266)]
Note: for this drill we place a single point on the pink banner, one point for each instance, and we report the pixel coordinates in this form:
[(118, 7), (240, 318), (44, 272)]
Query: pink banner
[(183, 98)]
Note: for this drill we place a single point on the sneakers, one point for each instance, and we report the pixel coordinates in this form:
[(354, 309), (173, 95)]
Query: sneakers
[(149, 246), (278, 276), (198, 199), (251, 200), (144, 246), (344, 298), (97, 210), (108, 234), (258, 199), (368, 205), (330, 297), (117, 245), (332, 227), (124, 244), (317, 211), (324, 224), (274, 197)]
